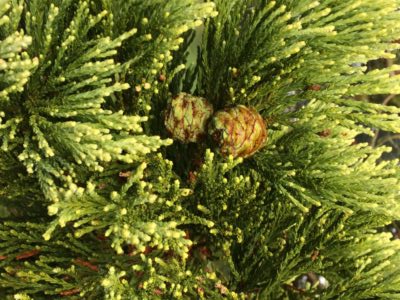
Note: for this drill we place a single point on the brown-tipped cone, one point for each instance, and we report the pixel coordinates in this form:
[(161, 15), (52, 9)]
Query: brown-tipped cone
[(186, 117), (239, 131)]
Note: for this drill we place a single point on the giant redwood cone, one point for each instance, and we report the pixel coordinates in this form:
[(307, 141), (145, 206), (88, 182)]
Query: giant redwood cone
[(239, 131), (186, 117)]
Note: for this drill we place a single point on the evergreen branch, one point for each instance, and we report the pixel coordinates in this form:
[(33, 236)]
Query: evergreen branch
[(15, 64), (66, 118), (373, 261), (325, 179), (126, 219), (161, 25), (312, 44)]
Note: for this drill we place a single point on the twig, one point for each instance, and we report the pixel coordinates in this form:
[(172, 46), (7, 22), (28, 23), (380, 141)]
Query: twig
[(385, 102), (389, 139), (388, 99), (375, 138)]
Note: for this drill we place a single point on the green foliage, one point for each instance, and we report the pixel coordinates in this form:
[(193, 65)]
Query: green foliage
[(372, 262), (141, 213), (304, 44), (96, 203), (311, 175)]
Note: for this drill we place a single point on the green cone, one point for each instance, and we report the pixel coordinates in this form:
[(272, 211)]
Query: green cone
[(186, 117), (239, 131)]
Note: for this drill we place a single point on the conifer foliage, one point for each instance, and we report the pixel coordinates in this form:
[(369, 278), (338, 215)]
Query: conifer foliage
[(97, 201)]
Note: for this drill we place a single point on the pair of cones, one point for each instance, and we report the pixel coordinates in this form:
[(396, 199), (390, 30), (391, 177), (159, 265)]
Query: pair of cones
[(239, 131)]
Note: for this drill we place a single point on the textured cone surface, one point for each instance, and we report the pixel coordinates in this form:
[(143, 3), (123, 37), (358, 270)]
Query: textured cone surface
[(187, 116), (239, 131)]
